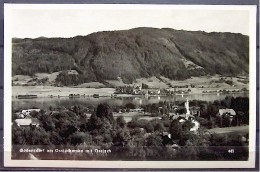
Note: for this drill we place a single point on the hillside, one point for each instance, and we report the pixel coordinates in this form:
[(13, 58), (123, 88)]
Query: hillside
[(132, 54)]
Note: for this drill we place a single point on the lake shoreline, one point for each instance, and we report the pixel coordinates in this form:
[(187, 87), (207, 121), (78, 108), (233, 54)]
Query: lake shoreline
[(50, 91)]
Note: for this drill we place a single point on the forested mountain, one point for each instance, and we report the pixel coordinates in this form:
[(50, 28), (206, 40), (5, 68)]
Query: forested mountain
[(134, 53)]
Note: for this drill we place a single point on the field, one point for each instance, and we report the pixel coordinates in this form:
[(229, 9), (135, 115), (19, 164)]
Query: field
[(201, 84), (129, 115), (47, 91), (228, 130)]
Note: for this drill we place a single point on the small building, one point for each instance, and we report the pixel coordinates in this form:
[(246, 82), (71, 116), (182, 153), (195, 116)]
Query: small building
[(28, 111), (196, 125), (19, 115), (229, 112), (27, 122), (140, 110), (223, 113), (195, 110)]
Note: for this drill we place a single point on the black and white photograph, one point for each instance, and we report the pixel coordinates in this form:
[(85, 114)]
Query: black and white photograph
[(130, 86)]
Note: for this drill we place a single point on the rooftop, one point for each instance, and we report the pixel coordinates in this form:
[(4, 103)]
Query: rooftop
[(224, 111)]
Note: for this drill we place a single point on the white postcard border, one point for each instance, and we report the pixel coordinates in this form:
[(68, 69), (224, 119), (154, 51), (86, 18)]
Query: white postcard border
[(8, 162)]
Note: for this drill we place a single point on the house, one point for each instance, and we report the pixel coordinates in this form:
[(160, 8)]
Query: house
[(19, 115), (229, 112), (28, 111), (223, 113), (27, 122), (195, 110), (139, 87), (196, 125)]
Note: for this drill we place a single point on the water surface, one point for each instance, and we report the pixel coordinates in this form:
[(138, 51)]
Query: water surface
[(45, 103)]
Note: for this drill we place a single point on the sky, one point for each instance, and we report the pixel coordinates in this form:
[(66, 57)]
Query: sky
[(55, 21)]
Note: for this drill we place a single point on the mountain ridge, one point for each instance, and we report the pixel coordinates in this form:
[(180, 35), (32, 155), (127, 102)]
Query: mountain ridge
[(134, 53)]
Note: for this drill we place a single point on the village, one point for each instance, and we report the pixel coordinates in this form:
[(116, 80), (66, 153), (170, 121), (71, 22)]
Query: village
[(169, 125), (173, 90), (181, 113)]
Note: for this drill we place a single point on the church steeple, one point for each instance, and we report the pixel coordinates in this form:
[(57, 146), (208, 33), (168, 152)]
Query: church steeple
[(187, 109)]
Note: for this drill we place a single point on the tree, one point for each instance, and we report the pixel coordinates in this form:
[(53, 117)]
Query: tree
[(18, 136), (105, 131), (36, 136), (135, 147), (187, 125), (212, 110), (227, 120), (176, 130), (219, 121), (154, 146), (149, 127), (203, 110), (55, 138), (238, 118), (145, 86), (169, 153), (94, 123), (120, 121), (104, 111), (203, 122), (157, 125), (212, 122), (34, 114), (121, 137), (130, 106), (78, 138), (51, 108), (47, 123), (189, 151)]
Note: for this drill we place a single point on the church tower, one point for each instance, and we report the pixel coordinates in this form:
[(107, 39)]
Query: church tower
[(187, 109)]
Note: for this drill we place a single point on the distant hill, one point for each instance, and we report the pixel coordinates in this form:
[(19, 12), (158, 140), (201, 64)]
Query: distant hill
[(132, 54)]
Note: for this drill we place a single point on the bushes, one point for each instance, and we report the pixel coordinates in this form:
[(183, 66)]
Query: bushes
[(176, 130), (142, 123), (203, 122)]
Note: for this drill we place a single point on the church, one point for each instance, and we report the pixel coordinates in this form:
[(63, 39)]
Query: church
[(187, 116)]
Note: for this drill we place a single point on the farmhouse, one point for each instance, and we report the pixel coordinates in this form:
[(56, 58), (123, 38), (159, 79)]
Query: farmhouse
[(27, 122), (227, 114), (19, 115), (230, 112), (28, 111)]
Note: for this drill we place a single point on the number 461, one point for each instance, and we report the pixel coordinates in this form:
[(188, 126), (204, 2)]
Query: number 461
[(231, 151)]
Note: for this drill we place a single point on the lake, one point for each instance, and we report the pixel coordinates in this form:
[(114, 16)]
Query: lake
[(45, 103)]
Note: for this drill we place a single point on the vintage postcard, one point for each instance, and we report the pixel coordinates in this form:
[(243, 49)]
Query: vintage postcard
[(129, 86)]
